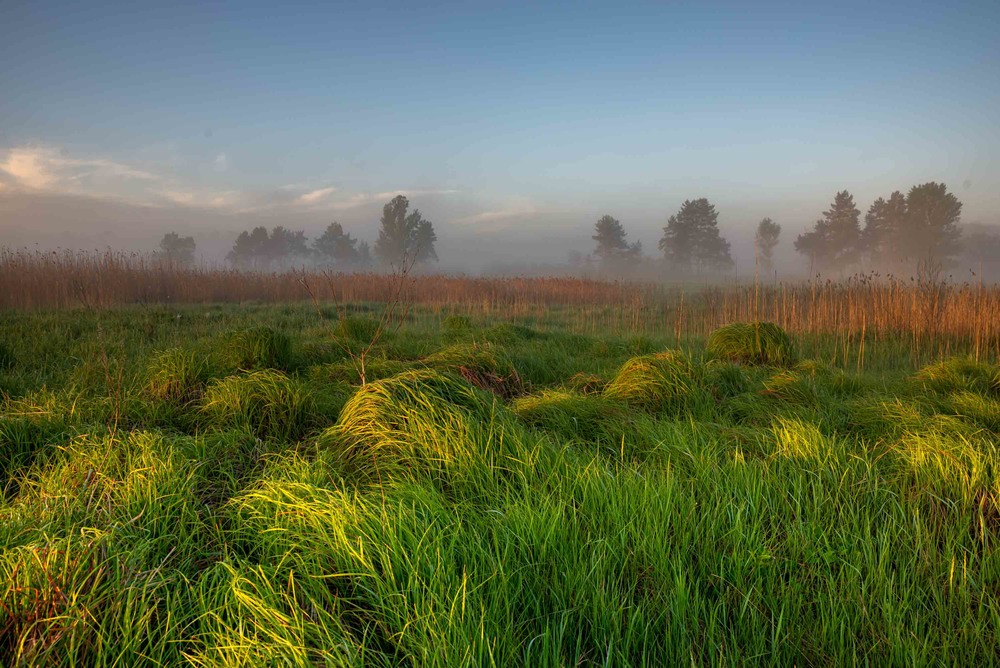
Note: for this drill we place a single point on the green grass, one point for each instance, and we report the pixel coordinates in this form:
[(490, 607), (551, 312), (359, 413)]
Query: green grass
[(223, 491)]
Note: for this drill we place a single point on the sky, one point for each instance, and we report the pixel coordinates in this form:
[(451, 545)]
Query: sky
[(519, 124)]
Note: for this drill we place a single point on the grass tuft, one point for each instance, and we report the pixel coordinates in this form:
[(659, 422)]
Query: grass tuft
[(657, 382), (267, 403), (483, 365), (752, 343), (256, 348), (176, 375)]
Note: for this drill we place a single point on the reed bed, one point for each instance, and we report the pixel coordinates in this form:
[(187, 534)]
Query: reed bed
[(936, 318)]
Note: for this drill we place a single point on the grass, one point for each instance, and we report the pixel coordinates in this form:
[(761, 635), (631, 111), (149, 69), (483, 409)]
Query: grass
[(497, 493)]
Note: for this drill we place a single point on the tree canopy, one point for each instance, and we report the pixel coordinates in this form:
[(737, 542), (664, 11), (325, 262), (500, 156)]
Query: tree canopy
[(765, 239), (177, 250), (834, 241), (691, 237), (612, 247), (402, 237)]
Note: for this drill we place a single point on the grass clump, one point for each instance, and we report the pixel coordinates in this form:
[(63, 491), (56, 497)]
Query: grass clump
[(456, 327), (267, 403), (256, 348), (7, 358), (348, 371), (420, 420), (752, 343), (176, 375), (957, 374), (657, 382), (483, 365)]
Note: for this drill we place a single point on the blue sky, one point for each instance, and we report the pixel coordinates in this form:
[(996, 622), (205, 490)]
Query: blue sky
[(498, 117)]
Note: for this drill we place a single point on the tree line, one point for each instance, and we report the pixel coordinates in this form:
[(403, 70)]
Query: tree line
[(404, 238), (916, 232)]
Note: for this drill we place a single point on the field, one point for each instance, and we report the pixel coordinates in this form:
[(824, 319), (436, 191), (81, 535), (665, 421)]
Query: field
[(538, 481)]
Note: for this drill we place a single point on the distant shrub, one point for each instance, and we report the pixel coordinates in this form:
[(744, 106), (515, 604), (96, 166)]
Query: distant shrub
[(487, 367), (752, 343), (655, 382), (256, 348), (176, 375), (960, 374), (267, 403)]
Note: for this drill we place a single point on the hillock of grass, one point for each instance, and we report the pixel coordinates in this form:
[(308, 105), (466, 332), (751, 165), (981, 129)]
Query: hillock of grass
[(415, 423), (267, 403), (660, 382), (752, 343), (957, 374), (176, 375), (486, 366), (255, 348)]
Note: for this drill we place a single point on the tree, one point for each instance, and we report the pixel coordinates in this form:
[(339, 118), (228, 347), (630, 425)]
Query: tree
[(402, 237), (336, 247), (884, 226), (423, 241), (177, 250), (250, 249), (765, 240), (364, 255), (692, 237), (931, 234), (612, 248), (258, 250), (834, 240)]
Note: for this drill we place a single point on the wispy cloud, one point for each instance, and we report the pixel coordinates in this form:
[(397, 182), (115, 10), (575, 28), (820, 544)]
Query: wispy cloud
[(49, 170), (511, 211), (314, 196), (42, 168)]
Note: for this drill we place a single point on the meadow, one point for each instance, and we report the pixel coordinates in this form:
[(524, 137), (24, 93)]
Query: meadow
[(540, 481)]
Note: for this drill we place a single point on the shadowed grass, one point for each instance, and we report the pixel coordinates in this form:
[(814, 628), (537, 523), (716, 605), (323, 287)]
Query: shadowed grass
[(751, 343)]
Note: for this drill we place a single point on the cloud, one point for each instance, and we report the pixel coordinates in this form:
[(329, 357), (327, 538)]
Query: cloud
[(315, 196), (48, 170), (513, 210), (42, 168)]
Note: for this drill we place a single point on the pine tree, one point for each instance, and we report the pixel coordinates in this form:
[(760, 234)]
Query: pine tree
[(884, 226), (834, 241), (692, 237), (931, 235), (336, 247)]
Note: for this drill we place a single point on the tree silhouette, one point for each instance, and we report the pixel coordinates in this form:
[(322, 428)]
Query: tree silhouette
[(423, 241), (612, 248), (932, 237), (177, 250), (403, 237), (692, 237), (259, 250), (336, 247), (834, 240), (765, 240), (884, 228)]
